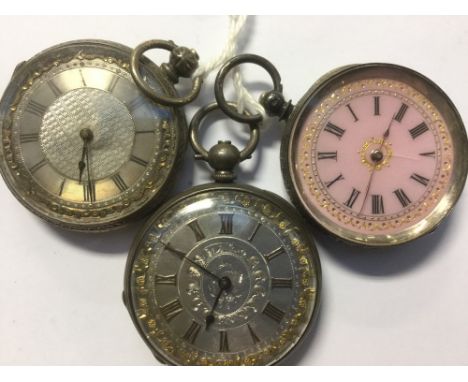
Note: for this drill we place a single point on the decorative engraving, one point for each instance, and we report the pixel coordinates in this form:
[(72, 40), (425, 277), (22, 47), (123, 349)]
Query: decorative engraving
[(97, 110)]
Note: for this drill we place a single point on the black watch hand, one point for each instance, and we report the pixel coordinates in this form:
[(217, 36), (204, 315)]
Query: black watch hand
[(81, 163), (87, 165), (183, 257), (87, 136), (224, 284)]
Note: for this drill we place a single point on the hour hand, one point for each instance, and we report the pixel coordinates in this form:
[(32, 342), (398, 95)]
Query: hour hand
[(224, 284), (81, 163), (210, 318), (87, 136)]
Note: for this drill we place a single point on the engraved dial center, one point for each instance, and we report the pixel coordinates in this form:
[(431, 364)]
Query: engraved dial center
[(243, 278), (93, 115)]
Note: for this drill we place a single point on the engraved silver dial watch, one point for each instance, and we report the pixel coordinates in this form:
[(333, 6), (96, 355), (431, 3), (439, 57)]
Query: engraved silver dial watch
[(223, 274), (83, 146)]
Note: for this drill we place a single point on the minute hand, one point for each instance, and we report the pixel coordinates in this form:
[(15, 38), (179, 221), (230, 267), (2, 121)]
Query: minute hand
[(81, 163), (183, 256), (87, 165)]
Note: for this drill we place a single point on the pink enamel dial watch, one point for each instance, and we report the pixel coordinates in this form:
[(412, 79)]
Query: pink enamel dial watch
[(376, 154)]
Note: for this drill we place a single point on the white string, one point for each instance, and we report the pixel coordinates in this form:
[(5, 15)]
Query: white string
[(236, 23), (245, 101)]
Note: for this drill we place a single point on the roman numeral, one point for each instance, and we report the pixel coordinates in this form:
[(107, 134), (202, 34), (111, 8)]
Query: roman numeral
[(254, 337), (139, 161), (171, 309), (402, 197), (226, 224), (89, 192), (254, 232), (401, 113), (36, 108), (165, 279), (430, 154), (113, 84), (135, 103), (26, 138), (119, 182), (377, 105), (420, 179), (281, 283), (330, 183), (223, 341), (197, 231), (38, 165), (327, 155), (377, 204), (54, 88), (273, 312), (270, 256), (418, 130), (352, 198), (352, 112), (335, 130), (192, 332)]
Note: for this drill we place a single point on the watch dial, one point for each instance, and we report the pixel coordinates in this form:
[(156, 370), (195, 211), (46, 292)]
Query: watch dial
[(85, 139), (375, 158), (223, 277)]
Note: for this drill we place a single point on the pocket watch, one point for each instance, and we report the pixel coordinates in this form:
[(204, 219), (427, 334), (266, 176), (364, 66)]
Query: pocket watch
[(85, 147), (375, 154), (223, 274)]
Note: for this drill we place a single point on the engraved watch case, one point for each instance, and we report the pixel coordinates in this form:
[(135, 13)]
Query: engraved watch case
[(249, 236), (82, 146)]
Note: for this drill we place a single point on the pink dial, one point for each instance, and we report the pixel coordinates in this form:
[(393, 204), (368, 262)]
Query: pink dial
[(373, 154)]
